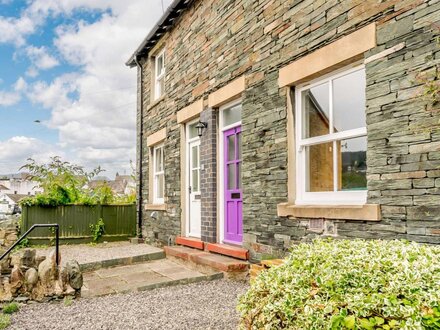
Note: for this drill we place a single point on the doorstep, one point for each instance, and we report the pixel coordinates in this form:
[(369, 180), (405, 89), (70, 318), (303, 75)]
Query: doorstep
[(198, 259), (190, 242), (228, 250)]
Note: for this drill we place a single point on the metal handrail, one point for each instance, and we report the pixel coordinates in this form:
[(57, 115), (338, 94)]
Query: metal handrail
[(57, 236)]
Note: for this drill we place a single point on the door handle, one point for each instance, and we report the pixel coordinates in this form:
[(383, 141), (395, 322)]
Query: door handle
[(189, 189)]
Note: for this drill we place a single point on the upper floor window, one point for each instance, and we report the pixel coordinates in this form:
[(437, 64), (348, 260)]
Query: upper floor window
[(158, 175), (159, 75), (331, 137)]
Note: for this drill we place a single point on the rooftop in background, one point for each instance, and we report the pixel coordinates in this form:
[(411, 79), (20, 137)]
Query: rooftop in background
[(164, 24), (16, 197)]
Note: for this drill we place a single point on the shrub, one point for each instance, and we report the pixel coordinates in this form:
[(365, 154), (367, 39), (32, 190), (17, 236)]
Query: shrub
[(342, 284), (5, 321), (10, 308)]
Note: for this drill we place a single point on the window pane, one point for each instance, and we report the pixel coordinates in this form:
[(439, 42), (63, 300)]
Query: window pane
[(158, 159), (349, 101), (239, 175), (231, 147), (160, 87), (239, 145), (232, 115), (195, 181), (160, 186), (315, 110), (319, 165), (195, 156), (192, 131), (231, 176), (160, 65), (352, 164)]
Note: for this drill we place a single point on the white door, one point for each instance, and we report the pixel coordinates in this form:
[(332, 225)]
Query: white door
[(194, 208)]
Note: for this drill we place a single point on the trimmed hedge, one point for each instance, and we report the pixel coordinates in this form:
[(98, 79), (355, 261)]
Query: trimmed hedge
[(348, 284)]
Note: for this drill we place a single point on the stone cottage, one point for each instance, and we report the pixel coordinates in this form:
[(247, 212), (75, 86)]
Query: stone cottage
[(262, 123)]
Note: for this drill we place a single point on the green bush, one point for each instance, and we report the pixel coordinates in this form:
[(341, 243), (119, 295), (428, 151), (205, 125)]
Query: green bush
[(342, 284), (10, 308)]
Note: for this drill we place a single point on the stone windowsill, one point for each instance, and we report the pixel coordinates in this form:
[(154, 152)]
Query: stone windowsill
[(156, 102), (369, 212), (156, 207)]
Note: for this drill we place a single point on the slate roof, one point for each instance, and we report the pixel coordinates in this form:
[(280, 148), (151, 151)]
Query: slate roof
[(166, 22), (16, 197)]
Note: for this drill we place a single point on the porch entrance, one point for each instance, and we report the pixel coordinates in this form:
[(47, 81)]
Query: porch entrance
[(193, 182)]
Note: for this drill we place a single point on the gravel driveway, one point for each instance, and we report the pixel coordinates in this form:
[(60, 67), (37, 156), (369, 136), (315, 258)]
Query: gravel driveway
[(206, 305)]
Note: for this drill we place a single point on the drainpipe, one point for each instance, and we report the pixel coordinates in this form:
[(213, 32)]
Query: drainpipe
[(141, 154)]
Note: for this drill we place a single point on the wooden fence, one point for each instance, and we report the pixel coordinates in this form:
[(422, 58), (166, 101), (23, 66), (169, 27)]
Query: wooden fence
[(75, 222)]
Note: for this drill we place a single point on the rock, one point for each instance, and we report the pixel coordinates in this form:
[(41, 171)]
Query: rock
[(69, 291), (5, 266), (11, 237), (22, 299), (24, 258), (39, 260), (6, 294), (75, 275), (47, 272), (31, 278), (58, 289), (64, 278), (17, 279), (52, 256), (2, 234)]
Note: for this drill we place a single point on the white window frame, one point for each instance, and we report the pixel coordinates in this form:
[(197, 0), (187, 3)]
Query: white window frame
[(158, 92), (331, 197), (156, 174)]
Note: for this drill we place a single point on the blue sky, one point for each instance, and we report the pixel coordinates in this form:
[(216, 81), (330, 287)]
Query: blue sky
[(60, 60)]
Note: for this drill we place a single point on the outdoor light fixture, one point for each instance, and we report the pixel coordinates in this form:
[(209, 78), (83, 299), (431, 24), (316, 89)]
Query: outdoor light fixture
[(200, 126)]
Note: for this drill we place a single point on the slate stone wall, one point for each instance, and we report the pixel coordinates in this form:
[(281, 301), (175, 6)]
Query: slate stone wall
[(215, 42)]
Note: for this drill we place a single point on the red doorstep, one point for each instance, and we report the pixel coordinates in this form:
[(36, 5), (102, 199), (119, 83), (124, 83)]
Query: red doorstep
[(228, 250), (190, 242)]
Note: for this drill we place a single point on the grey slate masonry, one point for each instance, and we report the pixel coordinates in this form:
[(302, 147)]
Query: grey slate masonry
[(214, 42)]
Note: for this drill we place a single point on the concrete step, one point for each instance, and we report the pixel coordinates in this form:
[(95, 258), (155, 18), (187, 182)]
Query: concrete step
[(201, 260), (190, 242), (228, 250)]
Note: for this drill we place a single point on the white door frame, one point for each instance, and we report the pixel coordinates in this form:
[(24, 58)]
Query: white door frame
[(220, 167), (188, 175)]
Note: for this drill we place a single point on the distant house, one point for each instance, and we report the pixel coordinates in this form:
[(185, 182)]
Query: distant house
[(9, 203), (122, 185), (266, 123)]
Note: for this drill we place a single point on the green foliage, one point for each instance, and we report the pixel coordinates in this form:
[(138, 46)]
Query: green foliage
[(97, 230), (64, 183), (5, 321), (343, 284), (68, 301), (23, 244), (10, 308)]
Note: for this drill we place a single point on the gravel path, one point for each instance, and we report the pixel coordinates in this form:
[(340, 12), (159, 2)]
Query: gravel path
[(207, 305), (85, 253)]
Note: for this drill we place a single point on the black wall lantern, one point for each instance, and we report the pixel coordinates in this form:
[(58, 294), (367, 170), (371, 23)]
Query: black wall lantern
[(200, 126)]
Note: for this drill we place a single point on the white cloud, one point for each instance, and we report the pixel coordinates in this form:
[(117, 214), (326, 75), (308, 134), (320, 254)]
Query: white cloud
[(15, 151), (8, 98), (40, 57), (20, 85)]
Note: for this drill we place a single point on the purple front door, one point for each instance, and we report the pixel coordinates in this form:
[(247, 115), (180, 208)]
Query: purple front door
[(233, 190)]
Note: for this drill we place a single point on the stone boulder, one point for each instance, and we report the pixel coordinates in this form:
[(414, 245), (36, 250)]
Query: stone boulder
[(75, 275), (47, 272), (31, 278), (17, 279), (24, 258)]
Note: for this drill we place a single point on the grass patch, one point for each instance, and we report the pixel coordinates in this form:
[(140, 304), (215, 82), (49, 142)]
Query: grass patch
[(5, 321), (10, 308)]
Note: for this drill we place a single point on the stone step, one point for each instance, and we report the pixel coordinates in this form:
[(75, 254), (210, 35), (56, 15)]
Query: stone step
[(190, 242), (228, 250), (199, 259), (140, 277)]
